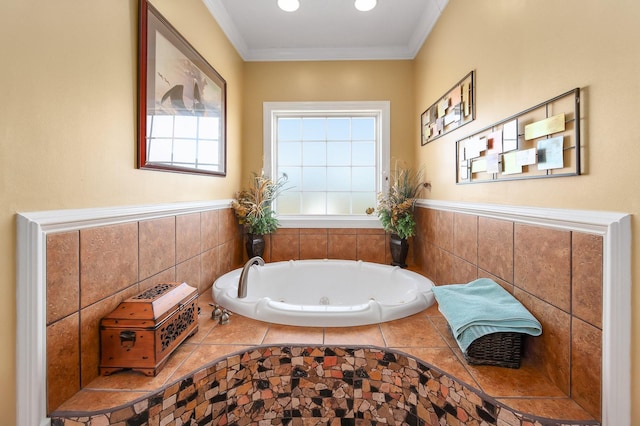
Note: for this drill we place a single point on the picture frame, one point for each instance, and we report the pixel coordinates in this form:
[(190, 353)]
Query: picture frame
[(181, 102), (543, 141), (452, 110)]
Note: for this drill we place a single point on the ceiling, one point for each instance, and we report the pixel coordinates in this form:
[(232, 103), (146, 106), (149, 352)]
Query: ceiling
[(326, 29)]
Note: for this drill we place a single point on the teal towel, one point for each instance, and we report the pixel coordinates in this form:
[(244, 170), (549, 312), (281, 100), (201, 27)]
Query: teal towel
[(483, 307)]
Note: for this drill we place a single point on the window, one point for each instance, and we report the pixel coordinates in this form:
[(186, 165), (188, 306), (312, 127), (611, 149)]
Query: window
[(335, 155)]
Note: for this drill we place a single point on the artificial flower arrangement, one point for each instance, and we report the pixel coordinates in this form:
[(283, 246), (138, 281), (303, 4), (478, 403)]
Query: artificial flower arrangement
[(253, 205), (395, 206)]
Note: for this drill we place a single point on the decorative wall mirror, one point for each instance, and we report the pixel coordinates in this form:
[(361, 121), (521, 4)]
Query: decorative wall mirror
[(181, 102)]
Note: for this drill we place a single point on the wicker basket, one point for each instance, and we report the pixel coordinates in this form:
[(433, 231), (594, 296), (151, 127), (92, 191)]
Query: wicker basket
[(503, 349)]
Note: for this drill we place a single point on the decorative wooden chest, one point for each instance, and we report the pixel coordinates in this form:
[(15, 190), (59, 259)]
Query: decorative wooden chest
[(144, 330)]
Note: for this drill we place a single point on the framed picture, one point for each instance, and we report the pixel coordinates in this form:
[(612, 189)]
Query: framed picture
[(456, 108), (181, 102), (540, 142)]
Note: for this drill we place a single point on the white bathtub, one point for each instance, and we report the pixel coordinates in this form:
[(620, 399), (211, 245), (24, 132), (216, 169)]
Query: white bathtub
[(325, 293)]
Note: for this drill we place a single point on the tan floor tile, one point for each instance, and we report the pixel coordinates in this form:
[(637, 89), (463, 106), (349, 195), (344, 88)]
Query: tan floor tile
[(445, 360), (278, 334), (205, 323), (442, 326), (203, 355), (363, 335), (413, 331), (240, 331), (132, 380), (525, 381), (91, 400), (432, 311), (552, 408)]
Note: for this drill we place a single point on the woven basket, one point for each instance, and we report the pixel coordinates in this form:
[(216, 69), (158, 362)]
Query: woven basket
[(503, 349)]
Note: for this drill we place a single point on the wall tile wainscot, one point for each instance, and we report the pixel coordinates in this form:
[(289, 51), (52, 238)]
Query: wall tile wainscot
[(407, 371)]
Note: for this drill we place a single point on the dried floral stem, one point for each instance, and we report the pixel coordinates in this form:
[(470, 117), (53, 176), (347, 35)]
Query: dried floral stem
[(395, 207), (253, 206)]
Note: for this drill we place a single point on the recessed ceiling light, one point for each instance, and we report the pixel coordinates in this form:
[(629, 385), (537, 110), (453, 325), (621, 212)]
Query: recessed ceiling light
[(365, 5), (289, 5)]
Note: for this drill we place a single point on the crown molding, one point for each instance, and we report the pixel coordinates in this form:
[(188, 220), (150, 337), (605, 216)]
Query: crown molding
[(400, 52)]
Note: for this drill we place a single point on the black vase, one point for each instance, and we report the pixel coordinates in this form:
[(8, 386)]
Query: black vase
[(399, 249), (255, 245)]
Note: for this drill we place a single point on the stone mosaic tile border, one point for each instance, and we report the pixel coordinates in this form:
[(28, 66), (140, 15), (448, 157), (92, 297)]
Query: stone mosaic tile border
[(306, 385)]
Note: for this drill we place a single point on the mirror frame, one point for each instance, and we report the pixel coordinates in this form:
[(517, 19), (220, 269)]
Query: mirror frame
[(151, 22)]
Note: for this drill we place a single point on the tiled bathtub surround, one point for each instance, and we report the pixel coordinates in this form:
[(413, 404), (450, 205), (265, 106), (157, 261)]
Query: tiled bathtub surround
[(90, 271), (319, 385), (535, 264), (369, 245), (556, 274), (449, 248)]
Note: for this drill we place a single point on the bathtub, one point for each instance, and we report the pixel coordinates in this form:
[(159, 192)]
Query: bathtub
[(325, 293)]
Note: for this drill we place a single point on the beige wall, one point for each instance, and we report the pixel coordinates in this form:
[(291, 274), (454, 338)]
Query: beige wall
[(525, 52), (327, 81), (68, 123)]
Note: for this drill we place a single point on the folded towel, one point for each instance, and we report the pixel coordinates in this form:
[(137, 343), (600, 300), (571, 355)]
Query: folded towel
[(483, 307)]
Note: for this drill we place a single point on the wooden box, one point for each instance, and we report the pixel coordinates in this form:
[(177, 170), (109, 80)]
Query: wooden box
[(144, 330)]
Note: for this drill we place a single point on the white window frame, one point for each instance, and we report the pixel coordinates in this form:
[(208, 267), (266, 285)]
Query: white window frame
[(271, 110)]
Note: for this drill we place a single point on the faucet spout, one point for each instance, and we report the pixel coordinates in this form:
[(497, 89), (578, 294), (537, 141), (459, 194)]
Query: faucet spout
[(242, 283)]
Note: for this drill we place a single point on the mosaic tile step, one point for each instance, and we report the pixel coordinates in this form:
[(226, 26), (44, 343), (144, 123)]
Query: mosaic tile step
[(273, 385)]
